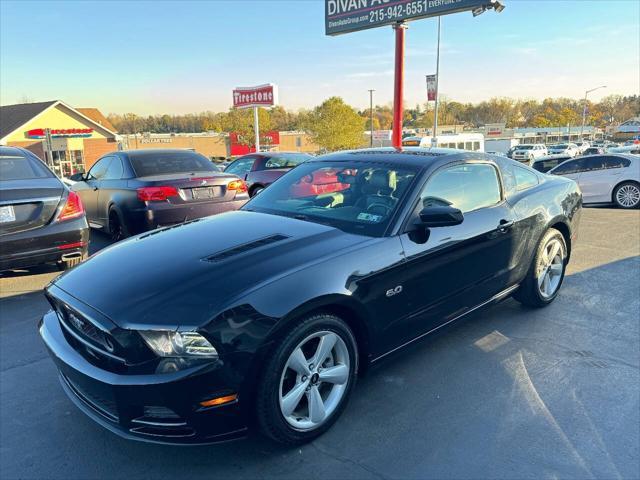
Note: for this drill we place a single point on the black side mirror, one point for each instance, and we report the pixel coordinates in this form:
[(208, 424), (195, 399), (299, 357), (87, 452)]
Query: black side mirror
[(440, 216), (77, 177)]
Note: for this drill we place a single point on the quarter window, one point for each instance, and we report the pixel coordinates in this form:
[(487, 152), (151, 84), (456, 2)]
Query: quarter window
[(616, 162), (525, 179), (467, 187)]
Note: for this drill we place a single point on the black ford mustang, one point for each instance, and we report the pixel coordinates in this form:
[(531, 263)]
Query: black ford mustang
[(265, 316)]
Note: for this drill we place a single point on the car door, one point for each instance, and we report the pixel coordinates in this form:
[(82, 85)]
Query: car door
[(110, 184), (457, 267), (601, 174), (88, 189)]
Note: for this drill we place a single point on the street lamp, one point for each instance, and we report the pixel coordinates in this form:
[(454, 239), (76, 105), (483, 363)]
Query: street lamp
[(584, 109), (371, 116)]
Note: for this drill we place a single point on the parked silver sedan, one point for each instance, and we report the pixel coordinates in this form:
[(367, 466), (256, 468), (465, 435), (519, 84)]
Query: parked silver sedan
[(609, 178)]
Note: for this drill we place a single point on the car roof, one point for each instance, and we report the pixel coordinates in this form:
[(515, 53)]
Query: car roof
[(413, 156), (4, 150), (151, 151)]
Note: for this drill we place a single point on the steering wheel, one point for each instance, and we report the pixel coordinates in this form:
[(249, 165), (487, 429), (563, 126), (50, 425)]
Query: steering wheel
[(375, 208)]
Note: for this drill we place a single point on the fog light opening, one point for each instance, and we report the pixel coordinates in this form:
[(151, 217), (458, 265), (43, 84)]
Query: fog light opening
[(216, 402)]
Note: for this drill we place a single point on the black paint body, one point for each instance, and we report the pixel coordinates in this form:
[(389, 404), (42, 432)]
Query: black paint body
[(36, 237), (102, 196), (240, 303)]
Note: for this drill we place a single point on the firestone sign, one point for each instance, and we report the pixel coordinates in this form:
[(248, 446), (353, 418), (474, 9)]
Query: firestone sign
[(68, 132), (260, 96), (343, 16)]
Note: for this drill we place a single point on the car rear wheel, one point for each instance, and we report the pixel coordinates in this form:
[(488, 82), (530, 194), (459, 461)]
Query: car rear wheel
[(117, 229), (546, 273), (627, 195), (255, 191), (307, 381)]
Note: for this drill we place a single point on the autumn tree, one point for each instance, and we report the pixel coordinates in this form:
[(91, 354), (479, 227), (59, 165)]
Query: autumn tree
[(334, 125)]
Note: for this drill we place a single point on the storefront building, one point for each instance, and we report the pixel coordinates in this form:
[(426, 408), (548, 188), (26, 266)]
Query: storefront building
[(69, 140)]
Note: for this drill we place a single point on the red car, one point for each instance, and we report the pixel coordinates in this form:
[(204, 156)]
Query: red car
[(259, 170)]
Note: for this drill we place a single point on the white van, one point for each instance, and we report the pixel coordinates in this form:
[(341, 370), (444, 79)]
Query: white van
[(462, 141)]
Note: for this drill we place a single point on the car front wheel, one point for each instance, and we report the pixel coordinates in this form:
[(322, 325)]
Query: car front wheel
[(308, 379), (627, 195)]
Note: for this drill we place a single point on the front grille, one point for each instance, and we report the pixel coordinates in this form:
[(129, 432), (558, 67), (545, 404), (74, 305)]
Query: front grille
[(104, 406), (85, 332)]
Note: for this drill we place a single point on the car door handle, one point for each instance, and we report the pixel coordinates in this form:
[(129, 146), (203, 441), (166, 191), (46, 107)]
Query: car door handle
[(505, 225)]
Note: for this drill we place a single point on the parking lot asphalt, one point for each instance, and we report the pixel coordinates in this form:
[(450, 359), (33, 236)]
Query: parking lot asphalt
[(506, 393)]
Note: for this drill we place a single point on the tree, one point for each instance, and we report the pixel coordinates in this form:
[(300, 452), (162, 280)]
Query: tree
[(334, 125)]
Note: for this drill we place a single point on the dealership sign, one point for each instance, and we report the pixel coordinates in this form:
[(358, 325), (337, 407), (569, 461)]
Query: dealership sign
[(343, 16), (432, 88), (56, 133), (260, 96)]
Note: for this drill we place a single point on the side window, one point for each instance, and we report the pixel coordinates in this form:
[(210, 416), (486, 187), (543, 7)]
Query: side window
[(616, 162), (593, 164), (467, 187), (115, 170), (476, 146), (525, 179), (241, 167), (99, 170)]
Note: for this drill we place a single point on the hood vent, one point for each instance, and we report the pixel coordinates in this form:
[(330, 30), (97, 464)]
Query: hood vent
[(232, 252)]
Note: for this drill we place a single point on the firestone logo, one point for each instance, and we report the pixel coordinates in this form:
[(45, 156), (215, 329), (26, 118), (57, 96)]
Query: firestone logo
[(254, 96)]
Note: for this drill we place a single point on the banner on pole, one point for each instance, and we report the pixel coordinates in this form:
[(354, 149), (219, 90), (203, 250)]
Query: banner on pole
[(431, 88), (260, 96)]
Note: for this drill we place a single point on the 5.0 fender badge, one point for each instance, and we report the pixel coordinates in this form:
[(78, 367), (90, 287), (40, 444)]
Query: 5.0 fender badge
[(394, 291)]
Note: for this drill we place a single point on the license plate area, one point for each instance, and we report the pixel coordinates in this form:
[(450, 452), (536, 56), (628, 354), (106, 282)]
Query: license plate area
[(7, 214), (203, 193)]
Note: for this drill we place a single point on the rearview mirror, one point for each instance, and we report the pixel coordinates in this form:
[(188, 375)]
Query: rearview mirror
[(77, 177), (440, 216)]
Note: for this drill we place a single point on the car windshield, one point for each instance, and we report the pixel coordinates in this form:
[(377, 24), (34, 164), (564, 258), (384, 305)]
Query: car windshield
[(17, 167), (525, 147), (356, 197), (164, 163)]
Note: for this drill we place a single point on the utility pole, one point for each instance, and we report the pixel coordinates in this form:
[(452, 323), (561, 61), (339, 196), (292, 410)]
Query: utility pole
[(584, 108), (371, 115), (434, 139), (256, 127)]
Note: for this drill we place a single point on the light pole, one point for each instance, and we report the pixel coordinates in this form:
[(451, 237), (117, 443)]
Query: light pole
[(584, 108), (434, 138), (371, 116)]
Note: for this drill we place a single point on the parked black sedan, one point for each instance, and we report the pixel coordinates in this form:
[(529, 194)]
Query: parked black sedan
[(41, 221), (266, 316), (130, 192)]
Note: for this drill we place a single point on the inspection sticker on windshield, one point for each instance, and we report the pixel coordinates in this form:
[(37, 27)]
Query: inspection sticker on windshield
[(367, 217)]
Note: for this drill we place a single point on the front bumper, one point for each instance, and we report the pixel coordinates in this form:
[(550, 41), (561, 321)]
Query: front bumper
[(158, 408)]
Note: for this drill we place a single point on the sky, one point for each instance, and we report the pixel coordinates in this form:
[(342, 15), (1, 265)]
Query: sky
[(163, 56)]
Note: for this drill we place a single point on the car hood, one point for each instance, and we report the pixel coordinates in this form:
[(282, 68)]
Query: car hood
[(183, 276)]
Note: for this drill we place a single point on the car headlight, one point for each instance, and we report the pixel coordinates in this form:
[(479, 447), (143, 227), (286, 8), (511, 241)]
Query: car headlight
[(178, 344)]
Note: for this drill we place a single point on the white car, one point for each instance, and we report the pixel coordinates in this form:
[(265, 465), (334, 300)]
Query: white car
[(609, 178), (528, 153), (570, 149), (582, 146)]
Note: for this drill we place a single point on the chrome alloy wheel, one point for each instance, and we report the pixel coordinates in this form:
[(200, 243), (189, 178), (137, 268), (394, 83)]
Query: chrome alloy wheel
[(628, 195), (550, 268), (314, 380)]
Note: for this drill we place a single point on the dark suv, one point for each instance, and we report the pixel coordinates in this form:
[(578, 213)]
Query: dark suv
[(130, 192)]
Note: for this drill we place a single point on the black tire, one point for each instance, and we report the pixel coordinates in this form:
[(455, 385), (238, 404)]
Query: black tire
[(256, 190), (529, 292), (271, 420), (632, 187), (117, 229)]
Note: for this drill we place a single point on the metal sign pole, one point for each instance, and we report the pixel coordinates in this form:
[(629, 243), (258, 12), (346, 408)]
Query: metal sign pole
[(398, 85), (256, 128), (371, 116), (434, 139)]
